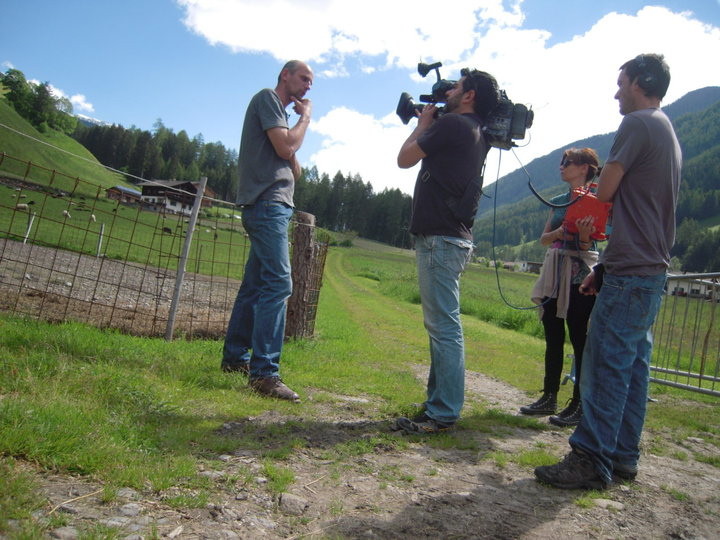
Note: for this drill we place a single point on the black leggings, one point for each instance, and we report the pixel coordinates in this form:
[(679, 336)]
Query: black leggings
[(577, 321)]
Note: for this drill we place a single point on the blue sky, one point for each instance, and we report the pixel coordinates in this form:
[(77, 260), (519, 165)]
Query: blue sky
[(195, 64)]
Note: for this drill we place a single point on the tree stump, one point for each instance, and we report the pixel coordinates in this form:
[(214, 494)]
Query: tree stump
[(303, 255)]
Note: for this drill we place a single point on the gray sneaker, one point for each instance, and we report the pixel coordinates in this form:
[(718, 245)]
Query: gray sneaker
[(622, 473), (274, 387), (576, 471), (421, 425)]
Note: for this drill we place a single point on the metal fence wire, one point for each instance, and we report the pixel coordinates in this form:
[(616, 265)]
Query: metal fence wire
[(686, 352), (74, 250)]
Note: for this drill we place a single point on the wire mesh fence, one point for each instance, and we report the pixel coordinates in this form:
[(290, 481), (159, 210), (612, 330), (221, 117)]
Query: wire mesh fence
[(73, 250)]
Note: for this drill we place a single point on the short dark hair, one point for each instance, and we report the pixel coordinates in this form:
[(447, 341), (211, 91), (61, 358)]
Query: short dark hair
[(292, 66), (487, 94), (651, 73)]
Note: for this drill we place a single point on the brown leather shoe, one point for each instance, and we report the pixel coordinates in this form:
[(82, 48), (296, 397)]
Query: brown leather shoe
[(274, 387)]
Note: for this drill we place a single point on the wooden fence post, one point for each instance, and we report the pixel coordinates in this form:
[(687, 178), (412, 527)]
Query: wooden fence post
[(303, 243)]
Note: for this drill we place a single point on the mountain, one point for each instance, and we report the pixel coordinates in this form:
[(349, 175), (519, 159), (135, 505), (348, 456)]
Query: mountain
[(511, 233), (513, 188), (90, 121)]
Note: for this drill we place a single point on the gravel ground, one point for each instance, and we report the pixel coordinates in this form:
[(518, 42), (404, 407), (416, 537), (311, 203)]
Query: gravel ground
[(56, 285)]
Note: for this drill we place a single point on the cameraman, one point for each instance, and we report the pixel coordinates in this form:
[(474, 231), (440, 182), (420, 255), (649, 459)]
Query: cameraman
[(452, 148)]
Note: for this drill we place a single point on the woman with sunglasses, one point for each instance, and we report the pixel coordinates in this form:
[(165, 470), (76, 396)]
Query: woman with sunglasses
[(569, 258)]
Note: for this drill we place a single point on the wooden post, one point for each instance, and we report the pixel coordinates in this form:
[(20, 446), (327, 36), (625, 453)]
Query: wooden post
[(303, 243)]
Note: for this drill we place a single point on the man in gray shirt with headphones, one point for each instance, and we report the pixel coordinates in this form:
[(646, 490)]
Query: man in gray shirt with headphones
[(641, 178)]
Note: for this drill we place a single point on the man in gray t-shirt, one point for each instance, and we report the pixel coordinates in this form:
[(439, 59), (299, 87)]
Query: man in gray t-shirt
[(268, 168), (263, 173), (643, 210), (641, 178)]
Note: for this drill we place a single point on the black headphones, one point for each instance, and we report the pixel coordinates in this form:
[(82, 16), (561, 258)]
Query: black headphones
[(646, 79)]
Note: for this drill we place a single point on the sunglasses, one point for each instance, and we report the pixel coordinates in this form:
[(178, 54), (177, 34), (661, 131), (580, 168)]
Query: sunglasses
[(567, 162)]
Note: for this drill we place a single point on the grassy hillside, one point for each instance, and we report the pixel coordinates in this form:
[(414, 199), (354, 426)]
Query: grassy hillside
[(51, 150)]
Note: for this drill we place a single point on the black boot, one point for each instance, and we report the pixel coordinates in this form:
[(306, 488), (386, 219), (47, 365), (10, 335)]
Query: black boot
[(542, 407), (570, 416)]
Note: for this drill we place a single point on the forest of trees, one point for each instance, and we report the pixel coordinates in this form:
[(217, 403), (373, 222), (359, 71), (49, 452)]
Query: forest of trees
[(37, 104), (347, 203), (343, 203)]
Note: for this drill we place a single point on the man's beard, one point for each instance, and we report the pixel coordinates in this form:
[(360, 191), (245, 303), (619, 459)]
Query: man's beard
[(452, 104)]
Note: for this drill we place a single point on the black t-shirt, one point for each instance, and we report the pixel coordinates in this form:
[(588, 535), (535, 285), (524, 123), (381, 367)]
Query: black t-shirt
[(455, 151)]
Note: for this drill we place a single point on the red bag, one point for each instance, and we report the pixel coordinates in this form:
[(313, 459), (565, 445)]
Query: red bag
[(587, 205)]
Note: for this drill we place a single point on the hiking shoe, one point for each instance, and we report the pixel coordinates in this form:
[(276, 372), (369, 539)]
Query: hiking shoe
[(422, 424), (542, 407), (235, 367), (570, 416), (624, 473), (274, 387), (576, 471)]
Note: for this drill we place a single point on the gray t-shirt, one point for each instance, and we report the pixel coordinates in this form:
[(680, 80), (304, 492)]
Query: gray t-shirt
[(643, 212), (263, 174)]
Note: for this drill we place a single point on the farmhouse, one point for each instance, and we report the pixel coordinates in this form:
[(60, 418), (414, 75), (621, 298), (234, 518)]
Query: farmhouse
[(123, 194), (173, 196), (691, 285)]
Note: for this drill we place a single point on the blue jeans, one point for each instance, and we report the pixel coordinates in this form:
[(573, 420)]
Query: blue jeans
[(616, 371), (257, 322), (440, 261)]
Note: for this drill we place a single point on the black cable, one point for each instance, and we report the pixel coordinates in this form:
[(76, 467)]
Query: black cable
[(535, 192), (497, 273)]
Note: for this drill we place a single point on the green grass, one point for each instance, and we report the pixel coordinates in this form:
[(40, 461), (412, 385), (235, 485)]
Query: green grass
[(128, 232), (18, 498), (149, 414), (395, 275), (35, 148)]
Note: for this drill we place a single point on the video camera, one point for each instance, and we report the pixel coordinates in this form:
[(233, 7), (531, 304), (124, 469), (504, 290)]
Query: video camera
[(507, 121)]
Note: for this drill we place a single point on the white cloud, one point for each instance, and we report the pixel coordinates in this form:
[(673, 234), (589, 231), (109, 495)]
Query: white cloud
[(369, 148), (326, 30), (570, 85), (80, 103)]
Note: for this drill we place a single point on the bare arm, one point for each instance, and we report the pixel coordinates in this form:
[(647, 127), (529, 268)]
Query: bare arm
[(610, 177), (410, 152), (548, 235), (288, 141), (589, 285)]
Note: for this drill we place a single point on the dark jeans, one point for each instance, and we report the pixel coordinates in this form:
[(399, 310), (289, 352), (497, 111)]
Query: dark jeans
[(578, 315)]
